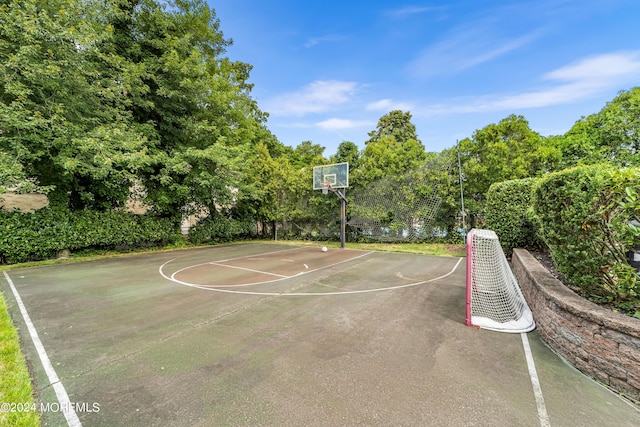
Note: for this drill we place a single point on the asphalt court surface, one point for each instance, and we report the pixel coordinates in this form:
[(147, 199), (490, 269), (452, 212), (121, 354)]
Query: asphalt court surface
[(262, 334), (261, 268)]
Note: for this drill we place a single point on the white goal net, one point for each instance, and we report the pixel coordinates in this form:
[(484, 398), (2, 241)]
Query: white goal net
[(494, 299)]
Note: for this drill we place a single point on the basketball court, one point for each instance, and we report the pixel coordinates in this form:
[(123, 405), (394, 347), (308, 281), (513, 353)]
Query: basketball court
[(266, 334)]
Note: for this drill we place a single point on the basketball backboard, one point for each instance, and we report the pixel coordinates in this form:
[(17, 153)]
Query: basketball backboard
[(337, 175)]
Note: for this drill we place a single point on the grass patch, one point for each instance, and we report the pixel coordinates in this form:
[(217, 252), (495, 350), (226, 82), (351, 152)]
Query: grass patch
[(15, 383)]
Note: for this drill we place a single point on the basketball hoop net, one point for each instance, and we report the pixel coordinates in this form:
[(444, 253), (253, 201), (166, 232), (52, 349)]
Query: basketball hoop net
[(326, 186)]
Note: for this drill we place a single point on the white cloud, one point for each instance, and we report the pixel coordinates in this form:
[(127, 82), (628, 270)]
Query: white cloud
[(605, 68), (406, 11), (338, 124), (322, 39), (578, 81), (388, 105), (466, 49), (482, 37), (317, 97)]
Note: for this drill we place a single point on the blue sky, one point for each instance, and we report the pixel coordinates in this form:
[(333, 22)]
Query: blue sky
[(326, 71)]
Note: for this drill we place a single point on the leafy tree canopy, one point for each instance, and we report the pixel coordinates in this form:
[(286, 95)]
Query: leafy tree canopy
[(397, 124), (393, 149), (99, 96), (307, 154), (61, 119), (611, 135), (347, 152), (498, 152)]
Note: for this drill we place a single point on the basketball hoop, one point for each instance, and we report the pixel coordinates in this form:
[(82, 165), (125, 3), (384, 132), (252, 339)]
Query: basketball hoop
[(326, 186), (334, 177)]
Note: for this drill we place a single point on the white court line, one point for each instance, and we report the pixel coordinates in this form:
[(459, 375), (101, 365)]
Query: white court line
[(210, 287), (262, 254), (362, 291), (63, 398), (535, 383), (249, 269), (195, 285)]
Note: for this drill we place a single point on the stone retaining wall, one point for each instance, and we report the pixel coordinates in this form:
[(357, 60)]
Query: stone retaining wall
[(602, 344)]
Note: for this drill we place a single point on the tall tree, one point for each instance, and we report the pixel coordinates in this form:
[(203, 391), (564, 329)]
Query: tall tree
[(397, 124), (347, 152), (60, 119), (266, 197), (393, 149), (611, 135), (195, 103), (307, 154), (99, 95), (495, 153), (620, 129)]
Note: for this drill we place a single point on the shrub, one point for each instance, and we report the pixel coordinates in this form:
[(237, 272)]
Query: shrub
[(40, 235), (509, 214), (119, 229), (619, 206), (220, 228), (35, 236), (584, 221)]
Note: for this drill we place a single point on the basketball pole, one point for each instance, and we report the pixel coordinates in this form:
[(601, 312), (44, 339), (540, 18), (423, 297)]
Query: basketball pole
[(343, 214), (343, 218), (325, 177)]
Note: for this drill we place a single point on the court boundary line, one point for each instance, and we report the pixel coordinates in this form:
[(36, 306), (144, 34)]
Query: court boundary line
[(61, 393), (361, 291), (543, 416)]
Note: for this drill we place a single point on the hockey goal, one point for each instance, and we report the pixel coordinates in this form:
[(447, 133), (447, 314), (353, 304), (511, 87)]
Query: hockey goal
[(494, 299)]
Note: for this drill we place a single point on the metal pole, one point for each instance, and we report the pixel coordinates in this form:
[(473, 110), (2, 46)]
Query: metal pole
[(275, 222), (343, 218), (464, 226)]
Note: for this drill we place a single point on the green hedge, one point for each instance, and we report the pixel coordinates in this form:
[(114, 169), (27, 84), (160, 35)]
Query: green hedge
[(509, 214), (221, 228), (40, 235), (584, 221)]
